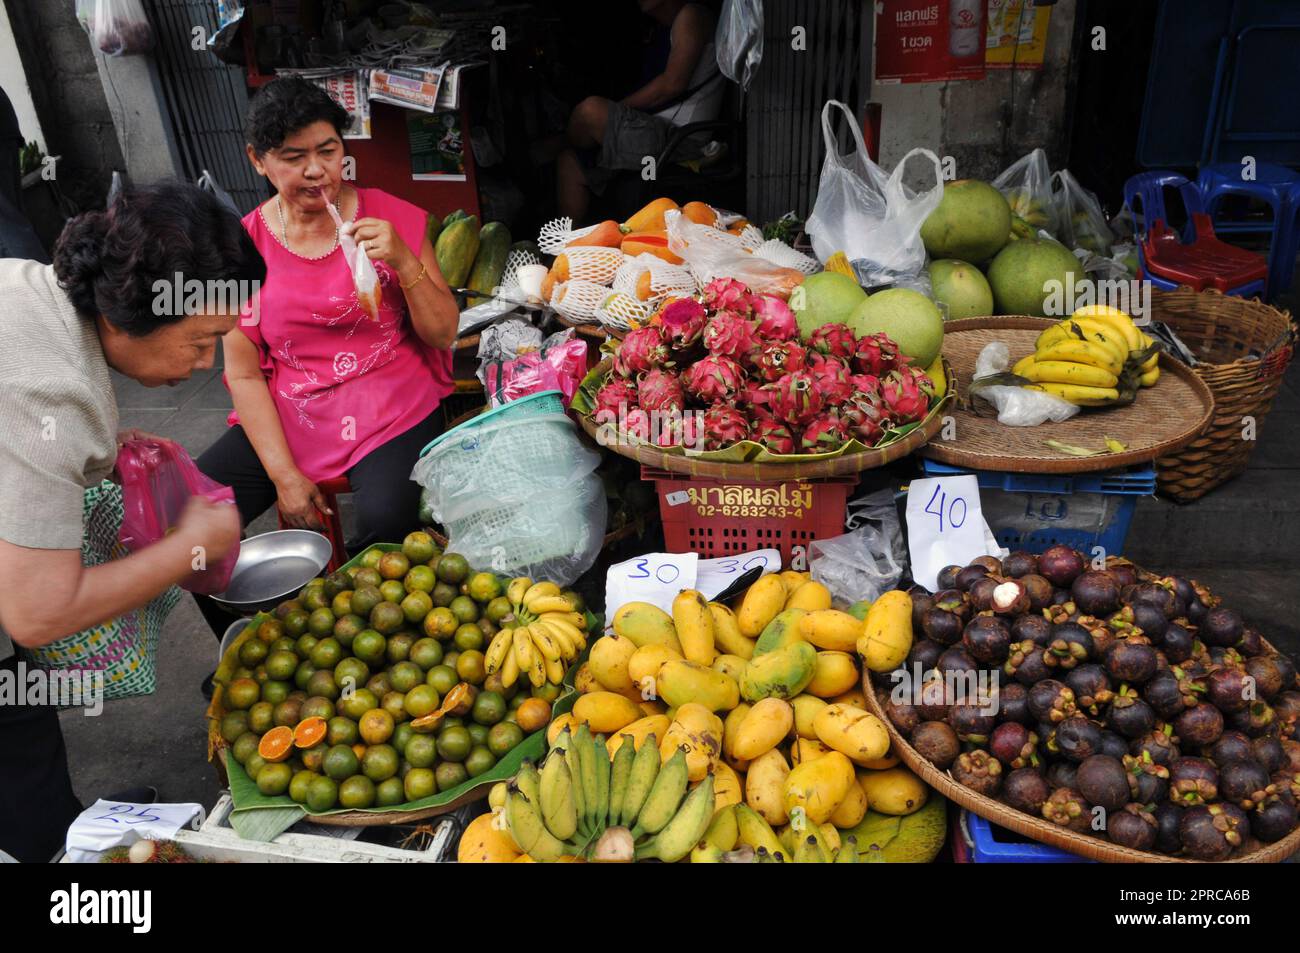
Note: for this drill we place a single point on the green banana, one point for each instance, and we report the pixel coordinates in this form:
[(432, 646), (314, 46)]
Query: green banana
[(558, 811), (528, 781), (619, 772), (848, 852), (686, 827), (664, 798), (600, 755), (645, 768), (574, 762), (809, 852), (590, 790), (528, 830)]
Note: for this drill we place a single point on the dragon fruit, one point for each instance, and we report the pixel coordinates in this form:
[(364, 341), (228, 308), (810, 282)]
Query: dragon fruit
[(755, 395), (906, 392), (727, 294), (616, 393), (835, 340), (824, 432), (715, 378), (774, 434), (682, 322), (775, 359), (865, 419), (681, 430), (875, 354), (832, 376), (636, 422), (865, 384), (723, 426), (795, 398), (642, 350), (660, 391), (730, 334), (776, 322)]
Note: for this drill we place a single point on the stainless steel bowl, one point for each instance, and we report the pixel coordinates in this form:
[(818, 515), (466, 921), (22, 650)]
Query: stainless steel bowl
[(272, 567)]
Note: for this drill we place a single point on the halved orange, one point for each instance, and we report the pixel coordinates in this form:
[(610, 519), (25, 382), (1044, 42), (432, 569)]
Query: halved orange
[(310, 732), (276, 744), (359, 750)]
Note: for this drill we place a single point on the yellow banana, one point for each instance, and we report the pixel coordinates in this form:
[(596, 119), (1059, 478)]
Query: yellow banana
[(554, 670), (568, 650), (539, 604), (496, 653), (1082, 352), (1080, 394), (566, 626), (543, 643), (1149, 378), (1069, 372), (529, 831), (1116, 319), (1105, 335), (516, 588), (536, 669), (539, 589), (523, 646), (1023, 365), (509, 668)]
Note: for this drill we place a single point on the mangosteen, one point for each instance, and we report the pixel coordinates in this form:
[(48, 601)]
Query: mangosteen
[(1287, 784), (1129, 714), (954, 601), (1151, 594), (1014, 745), (936, 742), (941, 626), (971, 723), (1026, 790), (1039, 591), (1095, 593), (1169, 839), (1032, 668), (955, 659), (1213, 832), (1268, 751), (1287, 666), (933, 702), (1062, 774), (1251, 643), (1157, 744), (990, 563), (1013, 704), (1071, 645), (947, 578), (921, 601), (1134, 827), (1077, 738), (904, 717), (1125, 572), (1286, 706), (1031, 628), (1151, 621), (1191, 682), (1228, 689), (1010, 598), (1163, 695), (1267, 675), (1148, 782), (1131, 661), (981, 593), (1221, 627), (1050, 700), (1103, 780), (1061, 565), (987, 639), (925, 652), (1019, 564), (1113, 744), (1199, 726), (1292, 751), (1193, 781), (1272, 820), (1178, 643), (969, 576), (1066, 807), (1061, 598), (1230, 746), (979, 771), (1182, 591), (1255, 719), (1244, 783), (1092, 688)]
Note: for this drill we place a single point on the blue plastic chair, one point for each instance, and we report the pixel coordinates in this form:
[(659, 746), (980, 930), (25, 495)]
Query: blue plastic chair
[(1149, 189), (1274, 185)]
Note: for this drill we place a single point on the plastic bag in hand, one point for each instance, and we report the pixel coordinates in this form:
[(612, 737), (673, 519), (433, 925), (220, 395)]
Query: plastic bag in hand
[(364, 276), (739, 40), (1017, 406), (868, 560), (1077, 217), (158, 477), (1027, 185), (872, 217)]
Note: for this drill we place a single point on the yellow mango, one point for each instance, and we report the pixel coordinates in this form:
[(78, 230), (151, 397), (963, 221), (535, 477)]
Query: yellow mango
[(643, 667), (810, 597), (639, 730), (558, 725), (486, 842), (854, 697), (646, 624), (817, 787), (727, 786), (765, 786), (726, 632), (732, 666), (605, 712), (836, 673), (783, 630), (831, 629), (584, 680), (608, 660), (880, 764), (887, 632), (782, 673), (763, 600), (723, 832), (793, 579), (694, 624), (731, 728), (652, 706), (698, 732), (851, 810), (764, 727), (681, 681), (806, 708), (896, 791), (857, 734), (807, 749)]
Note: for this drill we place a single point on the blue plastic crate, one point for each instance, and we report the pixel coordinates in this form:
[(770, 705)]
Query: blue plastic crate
[(995, 845), (1032, 512)]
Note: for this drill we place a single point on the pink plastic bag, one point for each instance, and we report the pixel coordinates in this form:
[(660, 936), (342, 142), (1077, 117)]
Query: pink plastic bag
[(560, 365), (158, 478)]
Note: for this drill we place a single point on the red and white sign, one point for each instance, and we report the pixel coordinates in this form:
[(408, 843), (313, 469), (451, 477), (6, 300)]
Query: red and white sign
[(929, 41)]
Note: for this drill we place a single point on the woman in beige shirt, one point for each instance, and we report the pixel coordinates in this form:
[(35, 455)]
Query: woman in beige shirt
[(108, 301)]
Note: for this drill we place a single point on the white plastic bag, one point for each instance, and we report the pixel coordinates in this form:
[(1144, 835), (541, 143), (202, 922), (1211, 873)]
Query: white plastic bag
[(1027, 185), (872, 217), (868, 560), (364, 276), (739, 40), (710, 253), (118, 27), (1017, 407), (1077, 217)]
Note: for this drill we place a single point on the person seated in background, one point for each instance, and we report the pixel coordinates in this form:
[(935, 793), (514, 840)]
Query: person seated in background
[(683, 85)]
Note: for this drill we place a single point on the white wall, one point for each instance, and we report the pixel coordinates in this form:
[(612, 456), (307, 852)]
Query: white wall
[(14, 83)]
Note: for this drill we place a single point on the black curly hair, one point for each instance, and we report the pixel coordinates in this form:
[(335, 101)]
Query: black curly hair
[(285, 105), (108, 262)]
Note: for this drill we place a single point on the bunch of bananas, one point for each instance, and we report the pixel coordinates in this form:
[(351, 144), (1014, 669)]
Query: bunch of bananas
[(1094, 358), (582, 803), (543, 635)]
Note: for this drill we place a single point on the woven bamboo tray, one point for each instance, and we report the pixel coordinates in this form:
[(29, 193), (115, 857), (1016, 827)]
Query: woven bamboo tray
[(1162, 420)]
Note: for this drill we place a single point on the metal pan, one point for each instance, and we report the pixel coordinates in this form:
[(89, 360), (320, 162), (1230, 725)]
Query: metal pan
[(272, 567)]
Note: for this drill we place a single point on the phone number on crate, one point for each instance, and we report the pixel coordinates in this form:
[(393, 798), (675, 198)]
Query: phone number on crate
[(753, 512)]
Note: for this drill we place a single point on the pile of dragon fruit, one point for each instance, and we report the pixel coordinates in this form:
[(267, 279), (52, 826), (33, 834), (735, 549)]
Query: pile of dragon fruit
[(732, 367)]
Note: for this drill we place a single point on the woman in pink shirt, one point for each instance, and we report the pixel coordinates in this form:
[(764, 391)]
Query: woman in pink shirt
[(321, 389)]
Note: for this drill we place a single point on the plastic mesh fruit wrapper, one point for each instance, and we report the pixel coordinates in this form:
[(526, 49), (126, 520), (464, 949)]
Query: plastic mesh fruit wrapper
[(621, 312), (751, 237), (710, 253), (578, 300), (665, 278), (779, 253), (558, 232), (518, 258), (593, 263)]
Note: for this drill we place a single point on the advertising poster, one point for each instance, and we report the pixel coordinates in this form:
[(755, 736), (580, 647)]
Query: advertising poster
[(437, 147), (1017, 34), (929, 41)]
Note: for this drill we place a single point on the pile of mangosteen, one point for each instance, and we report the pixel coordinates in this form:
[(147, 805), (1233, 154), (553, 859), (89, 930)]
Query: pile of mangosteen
[(1109, 687)]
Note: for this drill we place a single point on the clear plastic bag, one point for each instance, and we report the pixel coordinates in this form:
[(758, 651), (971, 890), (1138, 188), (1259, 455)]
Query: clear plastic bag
[(559, 364), (1017, 407), (868, 560), (117, 27), (739, 40), (1077, 217), (364, 276), (1027, 185), (158, 477), (873, 218), (709, 256)]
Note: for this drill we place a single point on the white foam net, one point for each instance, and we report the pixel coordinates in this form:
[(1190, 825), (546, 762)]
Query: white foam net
[(779, 253), (577, 299), (557, 233), (621, 311), (593, 263)]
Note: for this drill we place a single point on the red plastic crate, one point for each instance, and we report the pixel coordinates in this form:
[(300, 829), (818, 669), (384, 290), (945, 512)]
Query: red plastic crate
[(724, 517)]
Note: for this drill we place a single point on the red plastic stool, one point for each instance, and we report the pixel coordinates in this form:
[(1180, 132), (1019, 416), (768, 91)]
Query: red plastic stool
[(1203, 263), (330, 489)]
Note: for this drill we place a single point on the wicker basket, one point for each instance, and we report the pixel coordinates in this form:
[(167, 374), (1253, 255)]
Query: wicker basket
[(1245, 347)]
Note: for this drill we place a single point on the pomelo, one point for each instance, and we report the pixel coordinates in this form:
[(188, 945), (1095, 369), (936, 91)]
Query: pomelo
[(824, 298), (962, 287), (1020, 272), (972, 222), (910, 319)]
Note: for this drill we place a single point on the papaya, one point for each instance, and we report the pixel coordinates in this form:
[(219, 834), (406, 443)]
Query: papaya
[(651, 216), (456, 248), (651, 243), (781, 673), (606, 234), (700, 213), (453, 216), (432, 228), (490, 261)]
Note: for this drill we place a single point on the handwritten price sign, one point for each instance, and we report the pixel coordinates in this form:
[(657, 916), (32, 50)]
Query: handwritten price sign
[(656, 578), (945, 525)]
